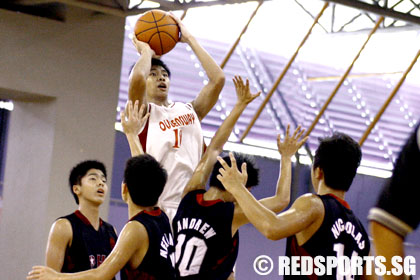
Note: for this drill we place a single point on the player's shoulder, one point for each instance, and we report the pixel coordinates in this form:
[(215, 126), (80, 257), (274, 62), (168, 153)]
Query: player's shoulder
[(309, 201), (134, 230), (61, 227), (308, 198)]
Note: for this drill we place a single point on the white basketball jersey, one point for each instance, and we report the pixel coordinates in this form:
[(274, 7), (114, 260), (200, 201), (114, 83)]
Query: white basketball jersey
[(173, 136)]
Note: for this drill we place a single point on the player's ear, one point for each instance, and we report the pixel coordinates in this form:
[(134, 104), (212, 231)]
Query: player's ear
[(124, 191), (76, 189), (319, 173)]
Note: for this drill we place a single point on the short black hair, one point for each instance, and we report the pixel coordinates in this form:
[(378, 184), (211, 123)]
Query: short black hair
[(339, 157), (145, 179), (251, 168), (155, 62), (158, 62), (80, 170)]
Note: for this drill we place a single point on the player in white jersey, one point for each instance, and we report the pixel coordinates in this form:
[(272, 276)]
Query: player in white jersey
[(173, 133), (173, 136)]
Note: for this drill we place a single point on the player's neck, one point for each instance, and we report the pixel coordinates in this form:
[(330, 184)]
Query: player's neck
[(91, 212), (160, 102), (214, 194), (134, 209), (324, 189)]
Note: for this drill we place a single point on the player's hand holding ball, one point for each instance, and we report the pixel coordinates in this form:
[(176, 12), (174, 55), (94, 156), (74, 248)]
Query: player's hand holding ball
[(185, 34), (159, 30), (142, 47)]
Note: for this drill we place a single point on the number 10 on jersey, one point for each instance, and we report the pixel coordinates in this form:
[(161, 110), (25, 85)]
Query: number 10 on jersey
[(178, 138)]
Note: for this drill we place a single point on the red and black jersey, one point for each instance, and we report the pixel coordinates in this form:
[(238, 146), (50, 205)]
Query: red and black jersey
[(157, 264), (205, 248), (89, 247), (340, 234)]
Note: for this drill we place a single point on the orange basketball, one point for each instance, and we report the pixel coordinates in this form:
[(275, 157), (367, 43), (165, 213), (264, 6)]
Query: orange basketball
[(158, 29)]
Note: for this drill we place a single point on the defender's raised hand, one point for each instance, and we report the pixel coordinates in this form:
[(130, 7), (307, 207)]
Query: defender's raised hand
[(291, 145), (243, 92), (133, 117), (230, 176)]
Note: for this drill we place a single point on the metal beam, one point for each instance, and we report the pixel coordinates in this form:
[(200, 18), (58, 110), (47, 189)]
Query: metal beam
[(281, 76), (229, 54), (337, 87), (386, 12), (388, 101), (94, 7), (166, 5), (32, 2)]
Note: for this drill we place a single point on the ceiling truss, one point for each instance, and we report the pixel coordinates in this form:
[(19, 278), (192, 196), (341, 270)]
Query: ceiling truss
[(365, 8)]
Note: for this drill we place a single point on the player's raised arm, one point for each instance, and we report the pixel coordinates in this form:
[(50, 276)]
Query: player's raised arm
[(132, 120), (288, 223), (205, 166), (140, 72), (209, 95), (281, 199), (133, 239)]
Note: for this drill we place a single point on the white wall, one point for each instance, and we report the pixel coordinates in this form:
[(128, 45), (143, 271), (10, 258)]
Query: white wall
[(64, 80)]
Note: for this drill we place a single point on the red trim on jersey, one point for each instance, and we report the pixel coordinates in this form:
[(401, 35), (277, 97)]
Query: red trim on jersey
[(221, 260), (84, 219), (297, 250), (68, 263), (204, 146), (342, 201), (171, 105), (143, 133), (155, 212), (112, 242), (206, 203)]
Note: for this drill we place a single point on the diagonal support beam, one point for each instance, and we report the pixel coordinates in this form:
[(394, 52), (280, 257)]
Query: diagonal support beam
[(388, 101), (283, 73), (229, 54), (385, 12), (337, 87)]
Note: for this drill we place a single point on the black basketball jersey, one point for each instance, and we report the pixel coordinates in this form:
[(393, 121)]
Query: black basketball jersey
[(157, 264), (89, 247), (400, 194), (205, 248), (340, 234)]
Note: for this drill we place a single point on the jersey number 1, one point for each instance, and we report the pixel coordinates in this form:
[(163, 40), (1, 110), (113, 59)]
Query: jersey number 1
[(178, 138), (339, 249)]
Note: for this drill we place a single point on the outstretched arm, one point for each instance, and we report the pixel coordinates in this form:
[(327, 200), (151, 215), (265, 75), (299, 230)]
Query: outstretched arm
[(205, 166), (209, 95), (132, 120), (133, 239), (304, 211), (140, 72), (281, 199)]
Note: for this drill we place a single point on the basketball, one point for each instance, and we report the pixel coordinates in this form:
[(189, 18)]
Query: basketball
[(158, 29)]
